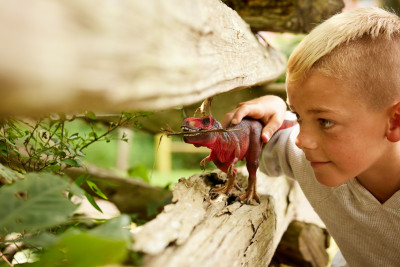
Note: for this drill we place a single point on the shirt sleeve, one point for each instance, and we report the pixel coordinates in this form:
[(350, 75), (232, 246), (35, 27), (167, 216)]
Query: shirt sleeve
[(280, 156)]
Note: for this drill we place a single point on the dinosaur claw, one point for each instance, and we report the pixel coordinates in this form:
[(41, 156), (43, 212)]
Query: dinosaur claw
[(213, 195)]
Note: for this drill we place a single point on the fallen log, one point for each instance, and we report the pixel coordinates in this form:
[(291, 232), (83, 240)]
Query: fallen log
[(285, 15), (110, 56), (196, 230)]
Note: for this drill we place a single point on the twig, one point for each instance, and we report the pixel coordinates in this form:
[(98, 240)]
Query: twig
[(5, 259), (120, 123), (169, 132)]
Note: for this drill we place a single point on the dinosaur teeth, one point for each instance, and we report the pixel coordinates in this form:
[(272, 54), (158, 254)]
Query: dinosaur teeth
[(193, 134), (187, 129)]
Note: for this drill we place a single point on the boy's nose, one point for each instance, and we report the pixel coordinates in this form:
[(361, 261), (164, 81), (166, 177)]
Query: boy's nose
[(305, 141)]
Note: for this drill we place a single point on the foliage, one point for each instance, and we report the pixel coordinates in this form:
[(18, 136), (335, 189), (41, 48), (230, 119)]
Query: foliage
[(35, 202), (106, 244), (35, 195), (36, 207), (46, 144)]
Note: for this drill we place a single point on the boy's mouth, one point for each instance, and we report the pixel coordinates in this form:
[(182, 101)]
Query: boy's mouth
[(316, 163)]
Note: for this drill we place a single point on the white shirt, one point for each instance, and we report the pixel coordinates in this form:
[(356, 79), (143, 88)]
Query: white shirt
[(366, 231)]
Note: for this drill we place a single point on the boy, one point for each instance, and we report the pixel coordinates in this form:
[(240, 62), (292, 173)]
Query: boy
[(343, 84)]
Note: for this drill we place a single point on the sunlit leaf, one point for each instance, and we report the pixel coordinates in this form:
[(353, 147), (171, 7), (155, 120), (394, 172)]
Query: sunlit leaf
[(24, 256), (96, 189)]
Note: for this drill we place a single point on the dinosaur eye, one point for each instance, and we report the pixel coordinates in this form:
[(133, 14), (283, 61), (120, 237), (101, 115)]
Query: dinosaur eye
[(206, 121)]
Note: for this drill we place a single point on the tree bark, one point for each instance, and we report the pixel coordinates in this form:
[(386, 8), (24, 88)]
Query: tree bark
[(297, 16), (110, 56), (196, 230)]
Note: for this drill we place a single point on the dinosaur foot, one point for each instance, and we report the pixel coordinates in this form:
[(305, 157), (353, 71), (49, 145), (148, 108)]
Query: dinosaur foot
[(226, 189), (249, 195)]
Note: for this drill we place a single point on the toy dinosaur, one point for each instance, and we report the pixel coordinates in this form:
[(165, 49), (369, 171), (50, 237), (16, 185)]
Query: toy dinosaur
[(241, 141)]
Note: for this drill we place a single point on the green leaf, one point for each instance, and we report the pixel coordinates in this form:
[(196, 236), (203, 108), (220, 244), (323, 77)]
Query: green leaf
[(36, 202), (127, 115), (90, 115), (93, 202), (74, 136), (52, 168), (93, 134), (80, 179), (104, 245), (71, 162), (8, 174), (80, 153), (25, 256), (139, 171), (3, 147), (115, 228), (104, 182), (42, 240), (96, 189)]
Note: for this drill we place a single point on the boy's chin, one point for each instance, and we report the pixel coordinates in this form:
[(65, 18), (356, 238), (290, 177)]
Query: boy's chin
[(330, 181)]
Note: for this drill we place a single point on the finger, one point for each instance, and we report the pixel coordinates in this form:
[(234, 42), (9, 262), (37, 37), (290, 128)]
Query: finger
[(241, 112), (271, 126), (227, 119), (235, 116)]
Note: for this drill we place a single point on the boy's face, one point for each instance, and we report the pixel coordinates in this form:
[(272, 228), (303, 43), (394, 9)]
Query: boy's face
[(339, 135)]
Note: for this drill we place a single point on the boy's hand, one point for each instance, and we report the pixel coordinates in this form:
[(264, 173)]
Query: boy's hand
[(269, 109)]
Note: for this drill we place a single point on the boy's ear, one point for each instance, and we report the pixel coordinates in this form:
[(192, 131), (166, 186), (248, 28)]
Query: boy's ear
[(393, 130)]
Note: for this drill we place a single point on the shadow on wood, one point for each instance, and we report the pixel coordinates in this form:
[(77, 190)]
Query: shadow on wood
[(303, 244), (130, 195)]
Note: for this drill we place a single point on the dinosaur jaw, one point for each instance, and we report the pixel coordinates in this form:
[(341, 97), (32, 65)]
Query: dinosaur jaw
[(189, 130), (192, 136)]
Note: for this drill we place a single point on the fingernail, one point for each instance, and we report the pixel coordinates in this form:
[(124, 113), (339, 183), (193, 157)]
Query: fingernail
[(234, 121), (266, 137)]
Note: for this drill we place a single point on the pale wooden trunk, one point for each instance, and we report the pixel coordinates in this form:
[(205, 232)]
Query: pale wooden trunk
[(110, 56), (198, 231)]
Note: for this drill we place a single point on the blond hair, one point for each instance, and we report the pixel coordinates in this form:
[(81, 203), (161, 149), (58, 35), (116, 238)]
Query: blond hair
[(361, 47)]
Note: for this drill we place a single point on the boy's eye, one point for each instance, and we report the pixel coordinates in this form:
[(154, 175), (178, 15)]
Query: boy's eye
[(326, 123)]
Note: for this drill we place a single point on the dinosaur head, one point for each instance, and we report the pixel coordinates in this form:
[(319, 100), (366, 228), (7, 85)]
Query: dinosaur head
[(194, 124)]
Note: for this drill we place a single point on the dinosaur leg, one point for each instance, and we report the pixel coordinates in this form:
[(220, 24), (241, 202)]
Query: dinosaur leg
[(204, 161), (230, 184), (251, 192)]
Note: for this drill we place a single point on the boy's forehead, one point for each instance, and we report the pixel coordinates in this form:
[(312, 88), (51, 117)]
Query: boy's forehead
[(318, 93)]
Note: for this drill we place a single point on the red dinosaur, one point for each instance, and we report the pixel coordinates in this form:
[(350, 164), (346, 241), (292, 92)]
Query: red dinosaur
[(227, 148)]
